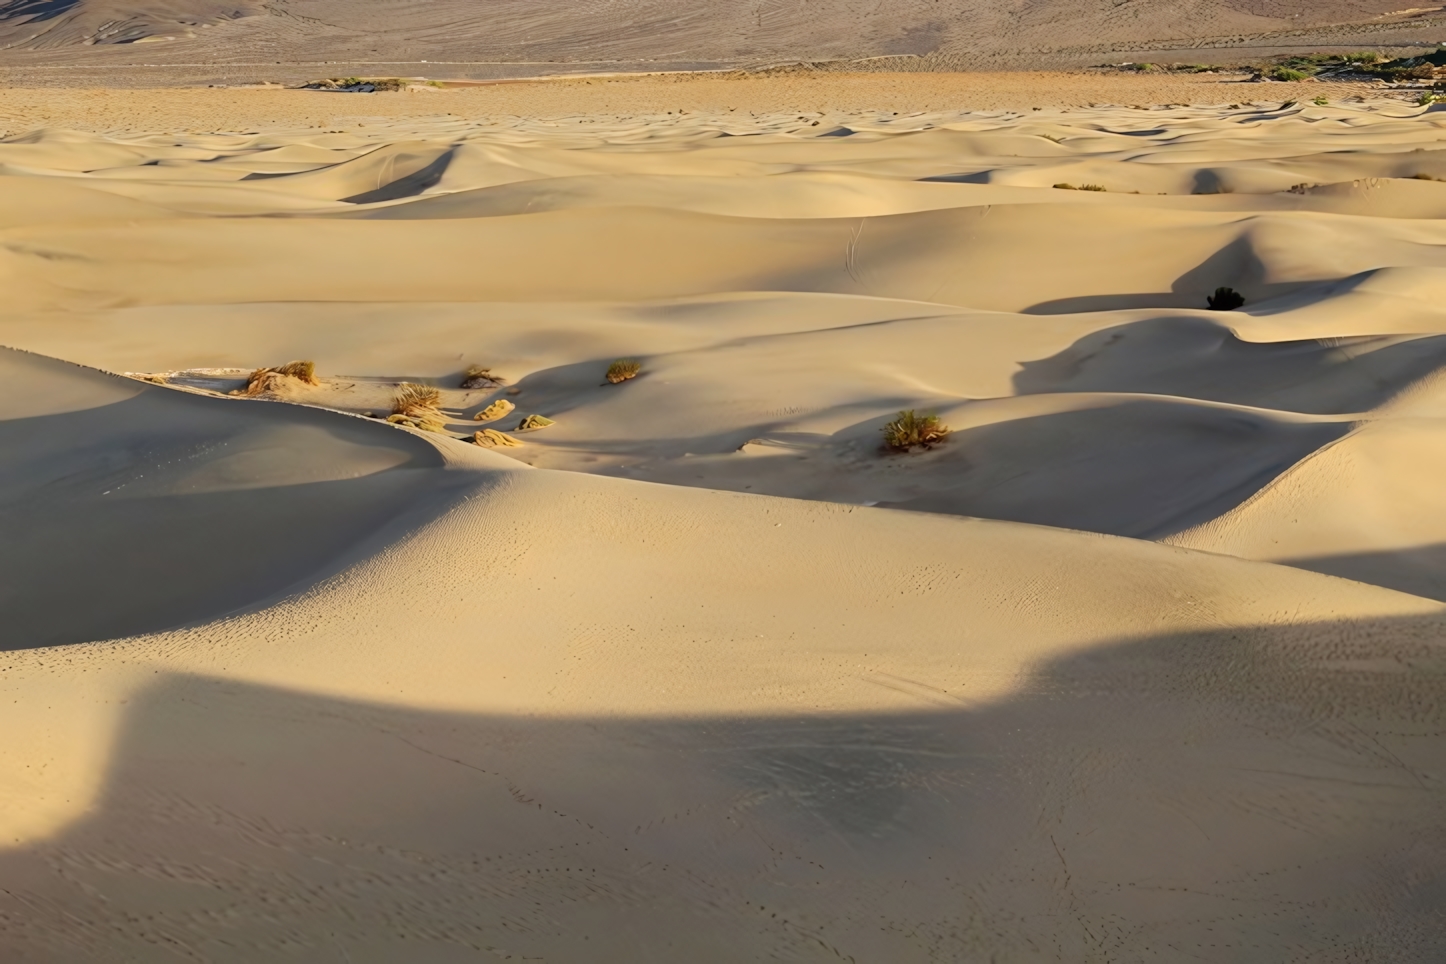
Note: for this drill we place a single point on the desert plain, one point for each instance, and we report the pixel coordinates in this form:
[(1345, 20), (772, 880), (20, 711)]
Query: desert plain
[(1144, 661)]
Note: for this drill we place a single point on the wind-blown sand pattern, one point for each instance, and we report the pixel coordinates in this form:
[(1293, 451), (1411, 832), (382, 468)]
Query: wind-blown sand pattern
[(679, 678)]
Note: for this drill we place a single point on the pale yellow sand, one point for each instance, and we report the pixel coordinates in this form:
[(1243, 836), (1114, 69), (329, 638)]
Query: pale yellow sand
[(287, 683)]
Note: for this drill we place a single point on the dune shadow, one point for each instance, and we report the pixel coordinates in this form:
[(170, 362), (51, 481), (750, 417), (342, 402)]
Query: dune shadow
[(1253, 794), (1144, 468), (1198, 357), (168, 508), (1236, 265), (407, 186), (1420, 570), (33, 10)]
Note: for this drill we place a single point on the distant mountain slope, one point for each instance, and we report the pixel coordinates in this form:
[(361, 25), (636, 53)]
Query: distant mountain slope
[(542, 35), (40, 24)]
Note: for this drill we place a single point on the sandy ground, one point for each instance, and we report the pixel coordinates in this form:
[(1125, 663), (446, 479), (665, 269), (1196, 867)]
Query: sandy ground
[(24, 108), (1144, 661)]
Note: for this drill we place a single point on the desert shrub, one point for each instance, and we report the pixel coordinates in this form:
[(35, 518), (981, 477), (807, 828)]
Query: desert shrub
[(911, 429), (490, 438), (304, 370), (1398, 71), (494, 411), (418, 406), (414, 399), (1286, 73), (1225, 299), (1321, 101), (264, 380), (623, 369), (534, 422), (1428, 97), (1080, 187), (478, 377), (353, 83)]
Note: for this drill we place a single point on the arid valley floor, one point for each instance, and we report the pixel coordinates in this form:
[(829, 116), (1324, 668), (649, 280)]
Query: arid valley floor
[(1145, 661)]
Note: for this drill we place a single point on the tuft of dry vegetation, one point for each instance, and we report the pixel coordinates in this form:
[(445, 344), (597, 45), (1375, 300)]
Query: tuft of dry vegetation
[(1080, 187), (490, 438), (623, 369), (268, 381), (1225, 299), (418, 406), (533, 422), (478, 377), (494, 411), (911, 429), (358, 85)]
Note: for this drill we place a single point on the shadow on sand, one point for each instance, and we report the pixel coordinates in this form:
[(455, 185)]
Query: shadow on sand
[(1256, 795)]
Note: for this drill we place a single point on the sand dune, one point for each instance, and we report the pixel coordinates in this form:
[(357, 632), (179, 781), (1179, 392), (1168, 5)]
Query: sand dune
[(1152, 668)]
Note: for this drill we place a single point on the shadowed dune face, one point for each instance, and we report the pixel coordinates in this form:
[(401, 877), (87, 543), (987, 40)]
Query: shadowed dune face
[(136, 514), (343, 689), (1296, 806)]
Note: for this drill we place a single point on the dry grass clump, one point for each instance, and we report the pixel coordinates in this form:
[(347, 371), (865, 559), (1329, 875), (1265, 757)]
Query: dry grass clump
[(478, 377), (1081, 187), (269, 380), (911, 429), (494, 411), (490, 438), (533, 422), (1225, 299), (623, 369), (358, 84), (418, 406)]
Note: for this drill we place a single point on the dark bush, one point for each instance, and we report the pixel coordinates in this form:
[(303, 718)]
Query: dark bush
[(1225, 299)]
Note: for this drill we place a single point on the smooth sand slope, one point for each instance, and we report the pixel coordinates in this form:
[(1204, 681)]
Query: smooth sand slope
[(285, 682)]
